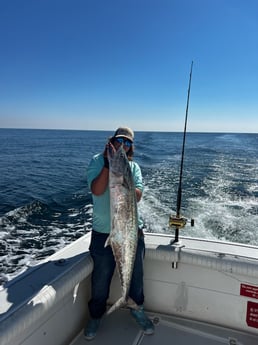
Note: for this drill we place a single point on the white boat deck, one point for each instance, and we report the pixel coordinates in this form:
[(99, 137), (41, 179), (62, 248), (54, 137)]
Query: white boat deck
[(120, 328)]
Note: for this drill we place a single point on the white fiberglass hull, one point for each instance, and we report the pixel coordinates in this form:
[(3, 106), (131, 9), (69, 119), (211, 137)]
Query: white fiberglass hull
[(196, 281)]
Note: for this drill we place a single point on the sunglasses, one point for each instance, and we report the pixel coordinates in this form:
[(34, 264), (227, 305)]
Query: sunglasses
[(124, 141)]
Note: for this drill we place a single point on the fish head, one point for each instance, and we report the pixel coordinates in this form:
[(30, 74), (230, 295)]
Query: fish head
[(118, 161)]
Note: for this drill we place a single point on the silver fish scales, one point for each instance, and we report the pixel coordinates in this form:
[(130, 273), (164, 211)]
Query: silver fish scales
[(123, 236)]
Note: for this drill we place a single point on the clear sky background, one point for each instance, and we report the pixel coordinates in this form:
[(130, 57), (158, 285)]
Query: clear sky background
[(98, 64)]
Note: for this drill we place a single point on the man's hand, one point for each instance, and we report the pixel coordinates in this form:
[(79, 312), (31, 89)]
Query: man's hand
[(109, 148)]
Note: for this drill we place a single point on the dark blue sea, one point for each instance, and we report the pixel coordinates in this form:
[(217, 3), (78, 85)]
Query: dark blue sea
[(45, 201)]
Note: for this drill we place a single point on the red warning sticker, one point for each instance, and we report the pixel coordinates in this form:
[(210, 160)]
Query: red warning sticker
[(249, 291), (252, 314)]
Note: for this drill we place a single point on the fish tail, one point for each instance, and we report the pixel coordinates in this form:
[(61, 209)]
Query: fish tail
[(131, 304), (119, 303), (123, 302)]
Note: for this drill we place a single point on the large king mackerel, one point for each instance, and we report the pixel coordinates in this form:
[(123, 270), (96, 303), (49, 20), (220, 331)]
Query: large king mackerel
[(123, 236)]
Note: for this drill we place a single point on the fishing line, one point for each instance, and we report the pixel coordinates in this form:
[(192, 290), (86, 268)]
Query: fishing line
[(178, 221)]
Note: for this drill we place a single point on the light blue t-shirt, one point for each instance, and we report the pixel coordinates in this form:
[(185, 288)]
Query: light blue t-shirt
[(101, 203)]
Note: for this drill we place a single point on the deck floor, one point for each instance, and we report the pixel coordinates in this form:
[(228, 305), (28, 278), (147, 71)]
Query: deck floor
[(119, 328)]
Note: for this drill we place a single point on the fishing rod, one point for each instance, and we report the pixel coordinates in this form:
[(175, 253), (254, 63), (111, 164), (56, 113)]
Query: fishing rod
[(178, 221)]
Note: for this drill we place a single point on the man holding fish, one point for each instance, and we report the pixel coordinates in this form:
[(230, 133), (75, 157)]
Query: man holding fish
[(115, 181)]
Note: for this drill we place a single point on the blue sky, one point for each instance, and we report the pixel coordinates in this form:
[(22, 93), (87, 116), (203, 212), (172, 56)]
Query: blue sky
[(99, 64)]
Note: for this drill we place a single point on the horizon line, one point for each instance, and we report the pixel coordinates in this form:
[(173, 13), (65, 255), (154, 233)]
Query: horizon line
[(112, 130)]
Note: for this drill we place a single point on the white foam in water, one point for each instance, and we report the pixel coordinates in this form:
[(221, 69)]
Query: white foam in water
[(218, 218), (253, 188), (154, 213), (23, 243), (222, 208), (226, 220), (222, 213)]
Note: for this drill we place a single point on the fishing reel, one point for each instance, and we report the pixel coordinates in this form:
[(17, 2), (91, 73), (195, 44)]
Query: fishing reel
[(179, 222)]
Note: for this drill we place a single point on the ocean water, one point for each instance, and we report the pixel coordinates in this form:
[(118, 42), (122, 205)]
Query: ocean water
[(45, 202)]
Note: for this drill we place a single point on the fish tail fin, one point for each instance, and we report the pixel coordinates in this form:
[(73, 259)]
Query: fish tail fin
[(131, 304), (119, 303), (123, 302)]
